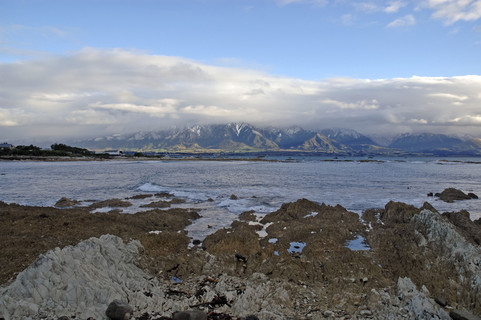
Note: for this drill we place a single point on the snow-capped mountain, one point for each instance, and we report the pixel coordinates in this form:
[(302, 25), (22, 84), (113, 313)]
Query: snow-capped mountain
[(243, 137)]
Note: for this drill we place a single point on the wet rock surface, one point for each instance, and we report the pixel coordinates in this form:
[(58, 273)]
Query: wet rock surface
[(451, 195), (294, 263)]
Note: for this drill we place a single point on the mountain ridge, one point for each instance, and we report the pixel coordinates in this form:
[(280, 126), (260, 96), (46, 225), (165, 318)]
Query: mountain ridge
[(244, 137)]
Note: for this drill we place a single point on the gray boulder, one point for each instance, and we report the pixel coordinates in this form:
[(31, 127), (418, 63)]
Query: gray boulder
[(119, 310)]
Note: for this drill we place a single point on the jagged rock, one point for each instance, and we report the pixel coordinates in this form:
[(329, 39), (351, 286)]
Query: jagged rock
[(233, 197), (248, 215), (473, 196), (470, 230), (398, 212), (119, 310), (452, 194), (66, 202), (189, 315), (463, 315), (417, 303)]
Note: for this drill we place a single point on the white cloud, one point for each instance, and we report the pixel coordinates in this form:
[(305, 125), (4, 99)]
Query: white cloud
[(452, 11), (394, 6), (407, 20), (313, 2), (98, 92), (347, 19)]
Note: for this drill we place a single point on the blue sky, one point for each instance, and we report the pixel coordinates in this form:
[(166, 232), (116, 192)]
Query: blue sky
[(344, 56), (302, 39)]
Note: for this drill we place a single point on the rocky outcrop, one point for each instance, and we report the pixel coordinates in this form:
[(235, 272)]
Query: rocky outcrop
[(451, 195), (114, 203), (417, 303), (465, 226), (398, 212), (66, 202), (296, 263)]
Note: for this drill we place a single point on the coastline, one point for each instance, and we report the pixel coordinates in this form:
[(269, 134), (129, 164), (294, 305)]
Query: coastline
[(322, 278)]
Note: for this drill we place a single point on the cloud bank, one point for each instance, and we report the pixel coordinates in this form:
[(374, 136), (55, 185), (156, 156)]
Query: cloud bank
[(97, 92)]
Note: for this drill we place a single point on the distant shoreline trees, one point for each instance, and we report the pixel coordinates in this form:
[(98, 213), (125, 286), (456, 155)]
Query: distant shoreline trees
[(57, 149)]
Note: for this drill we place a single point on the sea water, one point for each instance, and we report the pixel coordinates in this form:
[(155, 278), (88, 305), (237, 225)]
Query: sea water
[(258, 185)]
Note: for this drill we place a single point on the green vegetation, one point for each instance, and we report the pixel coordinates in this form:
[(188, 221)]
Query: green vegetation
[(57, 150)]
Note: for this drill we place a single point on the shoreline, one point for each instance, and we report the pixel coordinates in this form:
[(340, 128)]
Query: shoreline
[(322, 266)]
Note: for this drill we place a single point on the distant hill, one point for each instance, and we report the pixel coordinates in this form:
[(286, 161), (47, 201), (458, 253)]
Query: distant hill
[(439, 144), (243, 137)]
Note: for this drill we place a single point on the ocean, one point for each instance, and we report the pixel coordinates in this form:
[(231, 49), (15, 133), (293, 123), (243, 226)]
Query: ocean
[(262, 186)]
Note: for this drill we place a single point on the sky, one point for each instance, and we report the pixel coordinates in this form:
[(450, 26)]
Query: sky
[(87, 68)]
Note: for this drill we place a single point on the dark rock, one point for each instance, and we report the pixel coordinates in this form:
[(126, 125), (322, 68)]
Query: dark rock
[(429, 207), (164, 195), (219, 316), (240, 257), (473, 196), (252, 317), (248, 216), (430, 194), (118, 310), (114, 203), (66, 202), (140, 196), (451, 194), (463, 315), (196, 242), (233, 197), (189, 315), (210, 200), (441, 301), (177, 201), (398, 212), (469, 229), (156, 204)]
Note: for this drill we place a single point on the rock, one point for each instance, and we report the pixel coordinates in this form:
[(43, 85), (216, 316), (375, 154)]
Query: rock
[(114, 203), (252, 317), (441, 301), (417, 303), (328, 313), (233, 197), (473, 196), (119, 310), (66, 202), (177, 201), (430, 194), (451, 194), (463, 315), (157, 204), (63, 318), (248, 216), (189, 315), (365, 313), (398, 212), (470, 230)]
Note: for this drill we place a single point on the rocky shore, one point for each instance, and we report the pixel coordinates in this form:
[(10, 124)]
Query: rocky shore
[(304, 261)]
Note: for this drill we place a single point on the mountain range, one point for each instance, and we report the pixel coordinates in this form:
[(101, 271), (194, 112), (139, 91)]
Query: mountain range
[(243, 137)]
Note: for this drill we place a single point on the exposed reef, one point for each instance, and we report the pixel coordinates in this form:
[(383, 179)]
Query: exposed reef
[(298, 262)]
